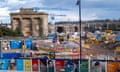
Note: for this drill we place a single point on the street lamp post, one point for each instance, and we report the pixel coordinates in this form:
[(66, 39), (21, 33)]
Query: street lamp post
[(52, 53), (79, 6)]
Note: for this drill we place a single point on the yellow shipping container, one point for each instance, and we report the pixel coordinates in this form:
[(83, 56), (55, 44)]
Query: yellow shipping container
[(27, 65)]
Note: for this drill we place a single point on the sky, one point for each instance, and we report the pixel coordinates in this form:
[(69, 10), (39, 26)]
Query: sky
[(100, 9), (63, 10), (90, 9)]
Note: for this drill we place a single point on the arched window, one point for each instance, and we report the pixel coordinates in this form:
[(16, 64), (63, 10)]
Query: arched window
[(76, 29), (60, 29)]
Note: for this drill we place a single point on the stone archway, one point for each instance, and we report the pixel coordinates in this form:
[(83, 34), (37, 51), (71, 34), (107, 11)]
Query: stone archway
[(16, 22), (76, 29), (27, 27), (37, 22), (60, 29)]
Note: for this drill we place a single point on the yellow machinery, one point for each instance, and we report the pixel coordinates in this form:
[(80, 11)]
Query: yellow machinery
[(108, 31), (61, 38)]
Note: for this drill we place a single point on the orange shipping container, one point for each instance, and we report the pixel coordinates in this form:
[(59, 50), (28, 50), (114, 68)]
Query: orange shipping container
[(112, 66)]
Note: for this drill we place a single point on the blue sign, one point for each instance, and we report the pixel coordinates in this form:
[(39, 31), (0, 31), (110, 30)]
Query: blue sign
[(4, 64), (69, 66), (10, 55), (98, 37), (19, 65), (118, 38)]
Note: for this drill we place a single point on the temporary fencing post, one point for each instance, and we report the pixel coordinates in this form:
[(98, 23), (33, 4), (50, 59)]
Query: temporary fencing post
[(89, 59), (89, 62)]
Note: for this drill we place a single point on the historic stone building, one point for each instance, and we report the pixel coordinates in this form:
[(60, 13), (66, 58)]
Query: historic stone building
[(102, 25), (30, 22), (65, 27), (92, 25)]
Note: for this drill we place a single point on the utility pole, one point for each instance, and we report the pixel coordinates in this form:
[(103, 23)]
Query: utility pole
[(0, 48), (0, 39), (0, 31), (79, 6)]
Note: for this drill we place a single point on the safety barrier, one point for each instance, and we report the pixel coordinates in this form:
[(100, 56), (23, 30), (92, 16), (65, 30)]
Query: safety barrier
[(58, 65), (39, 65)]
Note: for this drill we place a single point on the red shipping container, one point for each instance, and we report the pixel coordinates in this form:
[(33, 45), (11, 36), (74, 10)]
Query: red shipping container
[(59, 65), (35, 66), (43, 65)]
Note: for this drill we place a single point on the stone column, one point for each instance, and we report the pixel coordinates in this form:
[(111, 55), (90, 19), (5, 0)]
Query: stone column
[(45, 25), (15, 23), (32, 26), (65, 29), (68, 31), (26, 22), (36, 26), (21, 25)]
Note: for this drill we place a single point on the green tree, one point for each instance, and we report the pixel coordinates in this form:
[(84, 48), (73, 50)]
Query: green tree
[(10, 32), (18, 32), (7, 32)]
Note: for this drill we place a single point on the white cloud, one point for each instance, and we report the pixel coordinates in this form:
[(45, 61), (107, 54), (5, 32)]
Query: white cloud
[(4, 11), (16, 1), (90, 14), (94, 0), (62, 15), (5, 19), (13, 6), (73, 17), (89, 17), (4, 15), (68, 18)]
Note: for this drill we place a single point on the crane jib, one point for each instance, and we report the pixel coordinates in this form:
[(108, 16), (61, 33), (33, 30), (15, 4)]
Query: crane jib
[(45, 8)]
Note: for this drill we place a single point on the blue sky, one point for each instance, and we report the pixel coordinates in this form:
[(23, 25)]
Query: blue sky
[(90, 9), (71, 10), (100, 9)]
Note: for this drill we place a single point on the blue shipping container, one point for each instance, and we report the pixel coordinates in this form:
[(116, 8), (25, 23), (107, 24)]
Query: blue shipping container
[(33, 46), (4, 64), (10, 55), (14, 44), (28, 44), (20, 64)]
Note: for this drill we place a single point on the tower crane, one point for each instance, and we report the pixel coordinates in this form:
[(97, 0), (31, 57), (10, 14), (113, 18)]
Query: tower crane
[(47, 8), (52, 15)]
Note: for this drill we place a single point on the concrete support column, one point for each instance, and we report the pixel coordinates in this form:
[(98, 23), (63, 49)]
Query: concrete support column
[(33, 27), (21, 25), (16, 23), (45, 25), (26, 27), (36, 26)]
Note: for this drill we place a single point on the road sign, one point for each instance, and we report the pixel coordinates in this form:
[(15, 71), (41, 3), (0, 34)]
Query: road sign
[(69, 66)]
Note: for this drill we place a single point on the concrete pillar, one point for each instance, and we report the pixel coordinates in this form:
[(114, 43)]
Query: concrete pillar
[(26, 24), (36, 26), (45, 25), (21, 25), (16, 23)]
